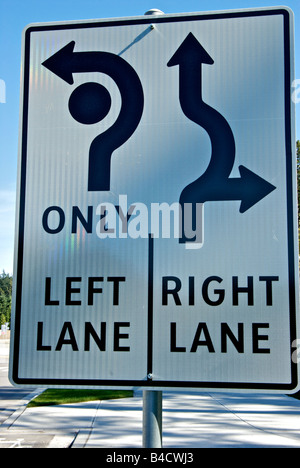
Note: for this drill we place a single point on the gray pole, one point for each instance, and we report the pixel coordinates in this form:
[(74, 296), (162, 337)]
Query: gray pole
[(152, 419), (152, 399), (154, 11)]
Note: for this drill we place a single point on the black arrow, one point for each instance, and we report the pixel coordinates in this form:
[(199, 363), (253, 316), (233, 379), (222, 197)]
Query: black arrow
[(64, 64), (249, 188), (214, 184), (190, 57)]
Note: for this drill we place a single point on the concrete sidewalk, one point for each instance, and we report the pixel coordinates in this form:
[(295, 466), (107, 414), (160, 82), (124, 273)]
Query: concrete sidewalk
[(189, 421)]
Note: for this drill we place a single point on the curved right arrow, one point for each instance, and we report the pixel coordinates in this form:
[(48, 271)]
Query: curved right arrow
[(214, 184)]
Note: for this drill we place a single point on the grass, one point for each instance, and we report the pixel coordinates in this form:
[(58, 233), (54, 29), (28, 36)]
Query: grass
[(63, 396)]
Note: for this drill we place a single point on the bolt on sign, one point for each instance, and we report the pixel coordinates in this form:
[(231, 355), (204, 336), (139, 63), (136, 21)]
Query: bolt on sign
[(156, 242)]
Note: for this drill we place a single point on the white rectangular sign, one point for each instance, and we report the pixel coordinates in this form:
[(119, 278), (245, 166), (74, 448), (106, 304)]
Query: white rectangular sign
[(156, 243)]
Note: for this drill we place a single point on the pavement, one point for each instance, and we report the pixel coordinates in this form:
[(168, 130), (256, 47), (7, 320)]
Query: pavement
[(190, 420)]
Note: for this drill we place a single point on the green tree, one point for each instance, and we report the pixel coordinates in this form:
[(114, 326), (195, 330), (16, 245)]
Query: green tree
[(298, 178), (2, 319), (5, 297)]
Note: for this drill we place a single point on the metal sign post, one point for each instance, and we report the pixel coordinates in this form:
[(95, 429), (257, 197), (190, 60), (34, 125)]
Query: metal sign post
[(152, 400), (152, 419)]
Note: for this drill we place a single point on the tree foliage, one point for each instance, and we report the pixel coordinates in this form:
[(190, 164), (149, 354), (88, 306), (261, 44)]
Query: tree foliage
[(298, 178), (5, 297)]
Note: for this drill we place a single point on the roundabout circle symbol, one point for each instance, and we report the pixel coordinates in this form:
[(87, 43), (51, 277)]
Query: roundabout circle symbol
[(89, 103)]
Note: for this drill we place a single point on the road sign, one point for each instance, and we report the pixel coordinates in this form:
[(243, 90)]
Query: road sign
[(156, 242)]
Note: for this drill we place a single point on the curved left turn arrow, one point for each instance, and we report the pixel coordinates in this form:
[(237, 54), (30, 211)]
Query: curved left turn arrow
[(64, 64)]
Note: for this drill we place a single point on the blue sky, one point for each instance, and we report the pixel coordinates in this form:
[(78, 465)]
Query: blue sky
[(16, 14)]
